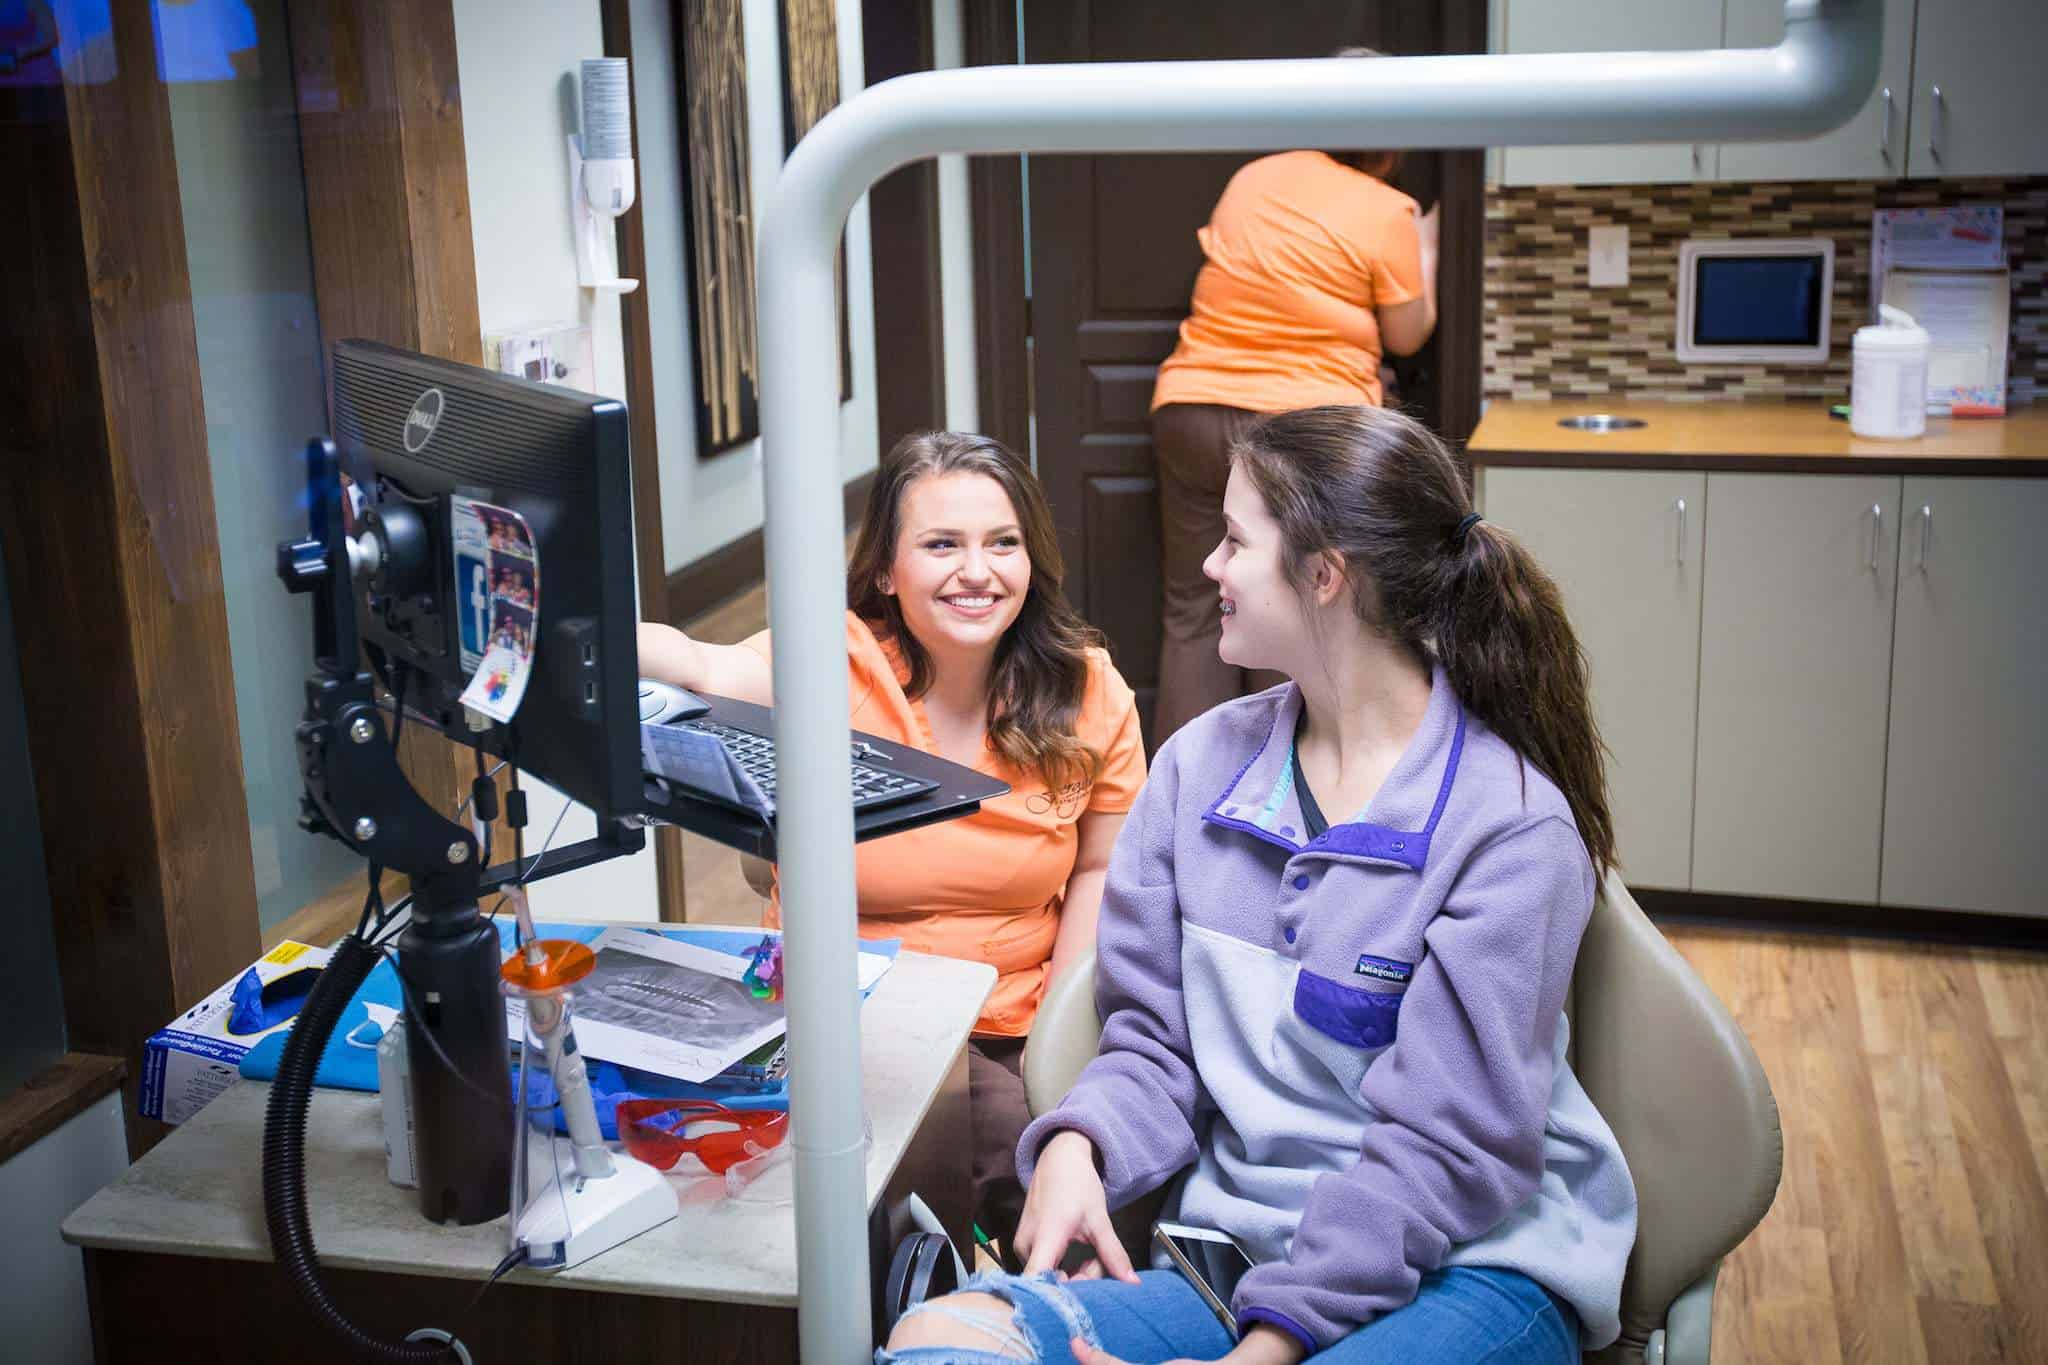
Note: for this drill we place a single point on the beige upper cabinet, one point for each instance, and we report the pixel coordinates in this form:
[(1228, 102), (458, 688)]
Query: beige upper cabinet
[(1966, 781), (1979, 100), (1609, 26), (1625, 547), (1959, 92), (1794, 685), (1870, 146)]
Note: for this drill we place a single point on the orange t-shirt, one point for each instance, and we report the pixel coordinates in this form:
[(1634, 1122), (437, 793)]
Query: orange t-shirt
[(1300, 250), (988, 886)]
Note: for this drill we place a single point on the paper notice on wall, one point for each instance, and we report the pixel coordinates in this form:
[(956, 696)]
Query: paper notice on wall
[(1970, 237), (1967, 314), (497, 590)]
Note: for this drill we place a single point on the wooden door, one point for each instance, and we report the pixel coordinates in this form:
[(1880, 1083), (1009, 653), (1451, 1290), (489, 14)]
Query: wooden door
[(1795, 675), (1965, 784), (1624, 546), (1113, 259)]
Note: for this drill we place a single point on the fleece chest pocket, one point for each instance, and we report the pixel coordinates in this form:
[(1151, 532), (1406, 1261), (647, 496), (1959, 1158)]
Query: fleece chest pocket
[(1353, 1015)]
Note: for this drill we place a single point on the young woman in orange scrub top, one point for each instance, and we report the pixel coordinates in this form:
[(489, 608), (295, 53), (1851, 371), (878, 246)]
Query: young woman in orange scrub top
[(1315, 268), (959, 641)]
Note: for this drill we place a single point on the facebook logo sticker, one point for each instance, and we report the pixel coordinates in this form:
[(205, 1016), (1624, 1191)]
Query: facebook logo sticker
[(473, 592)]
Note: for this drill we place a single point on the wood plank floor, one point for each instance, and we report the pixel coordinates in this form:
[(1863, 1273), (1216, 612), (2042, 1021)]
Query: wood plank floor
[(1912, 1081), (1911, 1226)]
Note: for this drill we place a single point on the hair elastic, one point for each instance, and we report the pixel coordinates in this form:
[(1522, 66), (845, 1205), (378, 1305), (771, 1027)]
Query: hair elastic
[(1464, 528)]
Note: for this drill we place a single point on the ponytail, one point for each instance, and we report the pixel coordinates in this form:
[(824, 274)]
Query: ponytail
[(1381, 491), (1502, 636)]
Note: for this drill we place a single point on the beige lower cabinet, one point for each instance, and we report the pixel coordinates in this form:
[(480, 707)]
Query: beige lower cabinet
[(1966, 783), (1624, 547), (1794, 687)]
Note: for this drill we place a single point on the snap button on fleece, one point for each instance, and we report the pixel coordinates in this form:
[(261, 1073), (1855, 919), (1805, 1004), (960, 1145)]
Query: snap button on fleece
[(1290, 935), (1287, 830), (1398, 845), (1301, 882)]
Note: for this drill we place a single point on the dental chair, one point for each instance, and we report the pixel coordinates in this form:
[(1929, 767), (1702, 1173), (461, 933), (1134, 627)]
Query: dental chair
[(1670, 1071)]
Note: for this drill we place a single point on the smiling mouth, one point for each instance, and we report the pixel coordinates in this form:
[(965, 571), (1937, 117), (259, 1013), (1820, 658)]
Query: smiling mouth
[(970, 601), (1228, 607)]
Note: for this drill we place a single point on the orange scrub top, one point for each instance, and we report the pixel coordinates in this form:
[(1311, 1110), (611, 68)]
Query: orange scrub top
[(1300, 250), (986, 887)]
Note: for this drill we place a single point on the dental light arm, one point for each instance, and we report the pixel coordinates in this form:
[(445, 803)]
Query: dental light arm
[(1811, 82)]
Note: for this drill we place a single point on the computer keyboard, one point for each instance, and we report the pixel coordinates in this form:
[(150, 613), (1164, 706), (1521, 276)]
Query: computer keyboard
[(872, 786)]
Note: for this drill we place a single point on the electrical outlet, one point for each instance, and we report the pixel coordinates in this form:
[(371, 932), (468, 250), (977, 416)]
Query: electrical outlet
[(1607, 255)]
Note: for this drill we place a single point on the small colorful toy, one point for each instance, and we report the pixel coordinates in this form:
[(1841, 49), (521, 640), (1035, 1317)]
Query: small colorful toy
[(764, 968)]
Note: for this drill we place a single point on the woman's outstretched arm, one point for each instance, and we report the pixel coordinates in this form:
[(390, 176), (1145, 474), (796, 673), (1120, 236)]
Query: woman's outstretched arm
[(720, 670)]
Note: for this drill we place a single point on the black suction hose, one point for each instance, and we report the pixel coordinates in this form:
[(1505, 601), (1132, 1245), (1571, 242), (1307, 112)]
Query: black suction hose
[(284, 1153)]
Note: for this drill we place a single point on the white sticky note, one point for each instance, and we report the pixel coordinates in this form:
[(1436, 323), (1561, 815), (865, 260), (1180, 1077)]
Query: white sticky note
[(1607, 255)]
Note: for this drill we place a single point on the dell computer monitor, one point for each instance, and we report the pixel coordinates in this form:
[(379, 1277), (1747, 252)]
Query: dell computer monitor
[(432, 447)]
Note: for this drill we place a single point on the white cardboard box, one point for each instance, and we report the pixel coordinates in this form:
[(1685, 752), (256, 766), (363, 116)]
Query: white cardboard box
[(194, 1057)]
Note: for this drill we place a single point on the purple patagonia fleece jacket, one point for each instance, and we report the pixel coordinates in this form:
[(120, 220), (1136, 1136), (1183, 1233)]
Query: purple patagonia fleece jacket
[(1353, 1044)]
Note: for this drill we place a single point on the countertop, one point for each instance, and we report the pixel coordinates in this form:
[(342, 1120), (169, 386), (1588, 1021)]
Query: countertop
[(200, 1192), (1787, 437)]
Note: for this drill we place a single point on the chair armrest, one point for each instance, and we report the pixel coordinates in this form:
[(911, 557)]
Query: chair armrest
[(1063, 1037), (1689, 1329)]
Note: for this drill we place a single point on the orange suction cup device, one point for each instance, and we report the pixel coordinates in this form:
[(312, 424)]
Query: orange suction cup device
[(544, 966)]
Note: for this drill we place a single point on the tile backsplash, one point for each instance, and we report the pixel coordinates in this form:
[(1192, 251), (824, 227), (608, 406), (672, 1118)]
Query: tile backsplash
[(1550, 335)]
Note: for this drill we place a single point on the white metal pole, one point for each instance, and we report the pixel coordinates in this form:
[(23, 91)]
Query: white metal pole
[(1811, 82)]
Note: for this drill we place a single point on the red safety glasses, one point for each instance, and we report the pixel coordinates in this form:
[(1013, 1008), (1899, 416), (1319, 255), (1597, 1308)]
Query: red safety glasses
[(659, 1132)]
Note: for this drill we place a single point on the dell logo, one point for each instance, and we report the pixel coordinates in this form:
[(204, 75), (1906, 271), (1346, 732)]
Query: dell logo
[(421, 421)]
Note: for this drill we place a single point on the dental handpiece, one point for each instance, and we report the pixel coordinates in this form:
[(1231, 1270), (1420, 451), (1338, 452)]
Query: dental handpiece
[(572, 1085)]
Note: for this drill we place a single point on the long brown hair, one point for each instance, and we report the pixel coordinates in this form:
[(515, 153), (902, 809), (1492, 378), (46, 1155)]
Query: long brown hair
[(1040, 674), (1383, 493)]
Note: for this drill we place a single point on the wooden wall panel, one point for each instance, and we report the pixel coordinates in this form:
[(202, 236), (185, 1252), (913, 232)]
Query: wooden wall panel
[(387, 184), (387, 207), (106, 512)]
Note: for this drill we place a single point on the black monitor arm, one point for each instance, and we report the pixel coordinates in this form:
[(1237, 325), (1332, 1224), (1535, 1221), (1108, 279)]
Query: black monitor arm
[(448, 955), (354, 787)]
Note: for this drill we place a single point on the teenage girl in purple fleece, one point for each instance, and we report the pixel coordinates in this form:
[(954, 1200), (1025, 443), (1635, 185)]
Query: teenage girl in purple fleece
[(1334, 948)]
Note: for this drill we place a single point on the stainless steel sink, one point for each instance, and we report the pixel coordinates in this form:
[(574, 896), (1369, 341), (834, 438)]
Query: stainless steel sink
[(1600, 421)]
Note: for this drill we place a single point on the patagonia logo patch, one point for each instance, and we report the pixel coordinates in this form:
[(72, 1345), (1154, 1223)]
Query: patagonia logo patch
[(1384, 969)]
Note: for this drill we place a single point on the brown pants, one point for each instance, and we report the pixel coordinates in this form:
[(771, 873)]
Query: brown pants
[(1192, 443), (998, 1112)]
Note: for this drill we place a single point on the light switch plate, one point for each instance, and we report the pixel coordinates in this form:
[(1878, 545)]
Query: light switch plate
[(1607, 255)]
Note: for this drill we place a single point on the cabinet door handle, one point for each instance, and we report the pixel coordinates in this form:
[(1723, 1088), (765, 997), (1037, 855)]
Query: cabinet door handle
[(1884, 129), (1934, 122), (1876, 526), (1926, 534), (1679, 507)]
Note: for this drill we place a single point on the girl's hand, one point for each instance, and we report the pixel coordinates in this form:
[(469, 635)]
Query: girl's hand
[(1262, 1345), (1066, 1204)]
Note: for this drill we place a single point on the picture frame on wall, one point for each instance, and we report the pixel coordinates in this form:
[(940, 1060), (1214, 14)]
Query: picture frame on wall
[(810, 90), (718, 222)]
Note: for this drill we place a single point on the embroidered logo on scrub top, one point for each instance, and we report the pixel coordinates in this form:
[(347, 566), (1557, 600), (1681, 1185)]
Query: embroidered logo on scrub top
[(1384, 969), (1066, 802)]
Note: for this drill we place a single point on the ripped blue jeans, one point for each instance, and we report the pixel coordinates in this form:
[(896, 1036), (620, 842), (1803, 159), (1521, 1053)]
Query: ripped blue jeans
[(1461, 1316)]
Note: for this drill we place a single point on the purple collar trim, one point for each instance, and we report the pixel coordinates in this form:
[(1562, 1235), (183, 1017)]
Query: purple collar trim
[(1360, 839), (1225, 810), (1408, 848)]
